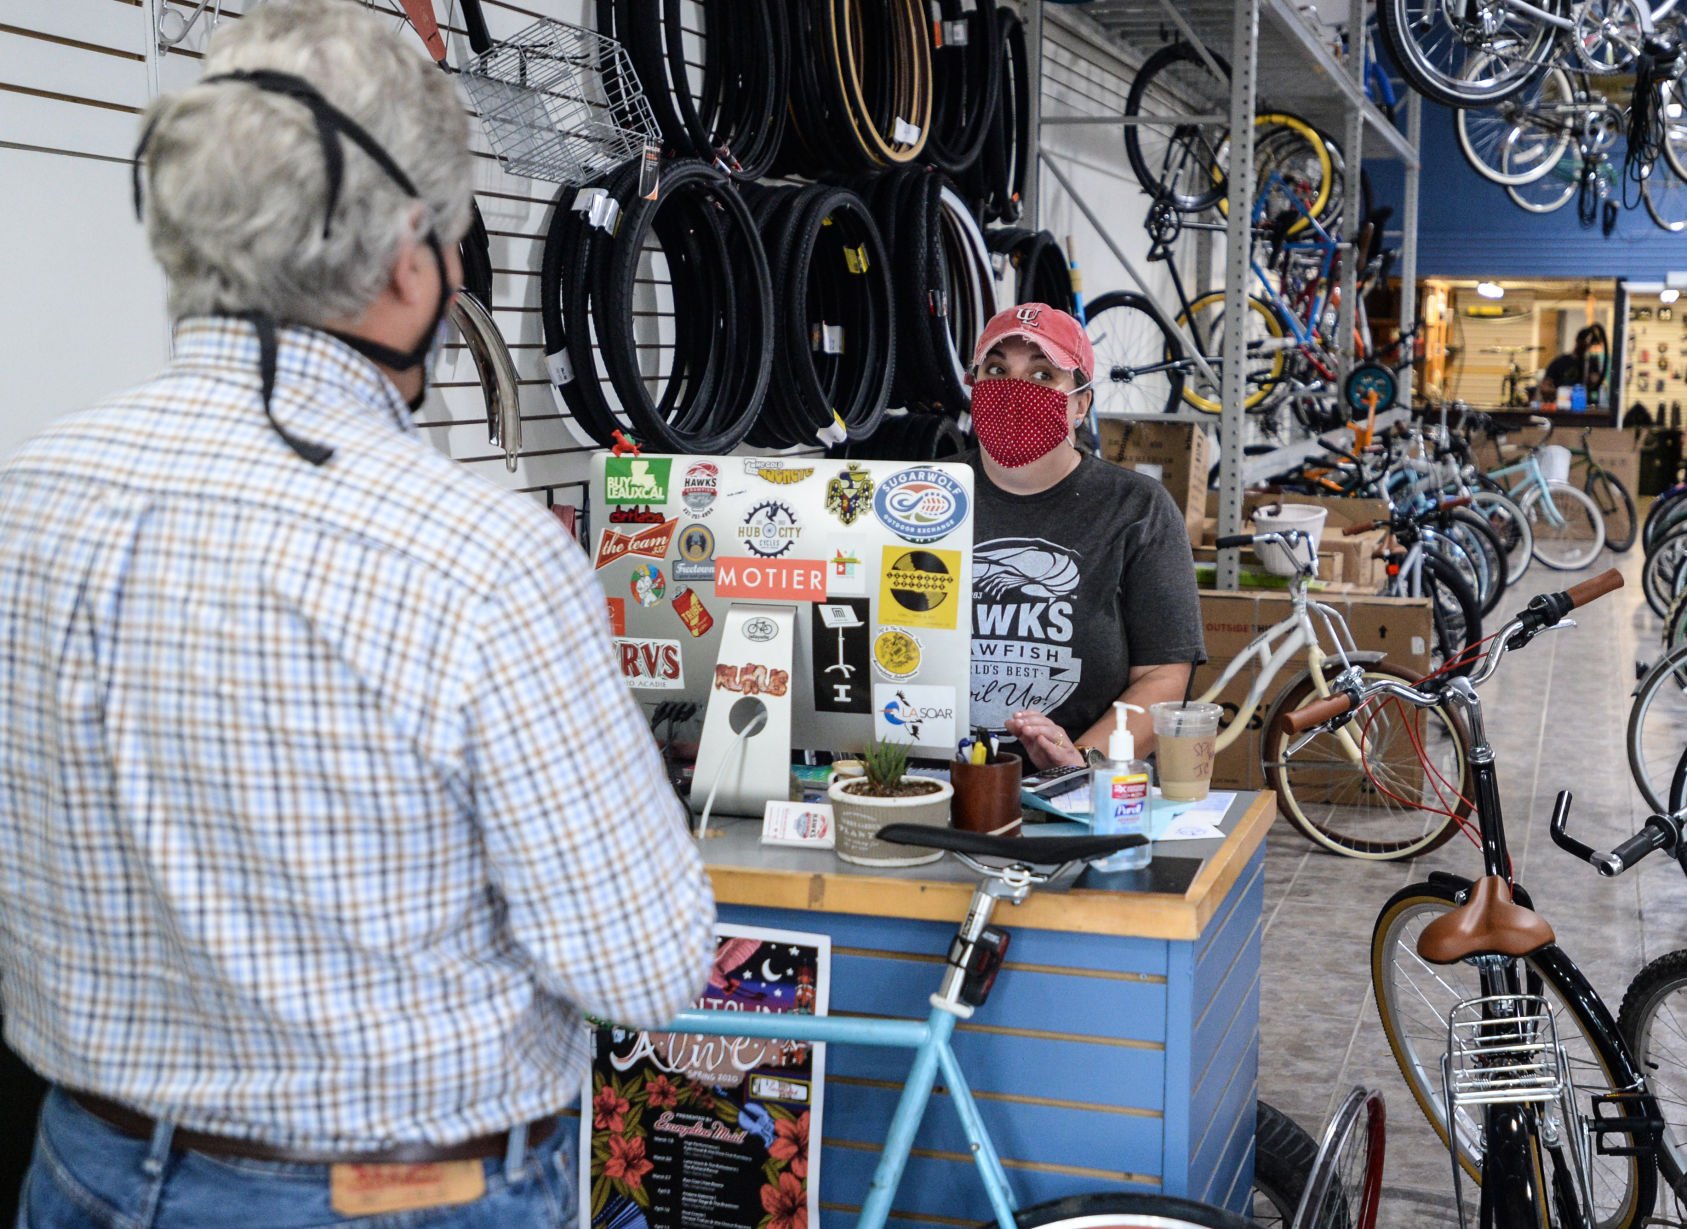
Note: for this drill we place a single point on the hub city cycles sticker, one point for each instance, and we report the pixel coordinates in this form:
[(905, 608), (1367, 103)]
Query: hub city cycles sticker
[(770, 529), (696, 560), (778, 580), (920, 505), (651, 543), (846, 574), (651, 665), (636, 480), (698, 488), (839, 633), (897, 653), (849, 496), (905, 712), (920, 588), (780, 473), (691, 611), (648, 584)]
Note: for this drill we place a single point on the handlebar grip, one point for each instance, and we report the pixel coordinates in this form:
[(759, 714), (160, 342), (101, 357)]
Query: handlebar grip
[(1633, 849), (1318, 712), (1234, 541), (1594, 588), (1458, 501), (1359, 527)]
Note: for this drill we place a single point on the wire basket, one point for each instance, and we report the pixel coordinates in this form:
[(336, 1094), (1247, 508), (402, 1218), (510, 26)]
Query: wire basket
[(560, 103), (1504, 1052)]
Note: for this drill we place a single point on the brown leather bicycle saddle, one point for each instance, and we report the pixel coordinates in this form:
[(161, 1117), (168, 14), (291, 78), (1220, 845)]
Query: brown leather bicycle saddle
[(1487, 924)]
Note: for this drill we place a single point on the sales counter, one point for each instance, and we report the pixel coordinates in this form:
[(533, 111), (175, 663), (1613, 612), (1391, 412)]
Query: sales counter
[(1118, 1050)]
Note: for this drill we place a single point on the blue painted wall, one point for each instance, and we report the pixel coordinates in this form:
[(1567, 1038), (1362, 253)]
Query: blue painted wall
[(1468, 227)]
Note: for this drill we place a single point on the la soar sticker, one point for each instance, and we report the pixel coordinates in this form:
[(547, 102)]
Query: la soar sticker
[(651, 665), (904, 712)]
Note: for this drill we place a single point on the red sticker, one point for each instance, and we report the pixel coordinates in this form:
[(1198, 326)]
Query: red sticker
[(652, 543), (779, 580), (617, 616), (696, 617)]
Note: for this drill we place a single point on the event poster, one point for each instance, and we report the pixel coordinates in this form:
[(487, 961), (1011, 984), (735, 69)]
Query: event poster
[(713, 1132)]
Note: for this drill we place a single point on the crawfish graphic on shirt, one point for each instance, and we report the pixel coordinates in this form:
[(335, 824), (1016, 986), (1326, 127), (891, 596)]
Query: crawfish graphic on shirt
[(1022, 626)]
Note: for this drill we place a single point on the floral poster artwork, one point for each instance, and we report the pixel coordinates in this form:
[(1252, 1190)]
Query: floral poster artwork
[(713, 1132)]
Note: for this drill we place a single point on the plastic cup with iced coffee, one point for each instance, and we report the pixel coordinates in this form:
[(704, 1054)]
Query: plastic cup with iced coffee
[(1184, 735)]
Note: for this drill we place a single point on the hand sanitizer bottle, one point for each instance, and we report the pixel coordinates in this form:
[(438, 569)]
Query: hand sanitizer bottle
[(1119, 795)]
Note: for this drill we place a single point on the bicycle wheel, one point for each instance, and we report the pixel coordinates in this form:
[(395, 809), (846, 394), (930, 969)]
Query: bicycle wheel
[(1482, 545), (1283, 1155), (1414, 997), (1675, 625), (1653, 1022), (1664, 193), (1378, 814), (1124, 1211), (1174, 160), (1657, 728), (1552, 191), (1616, 507), (1512, 527), (1529, 124), (1128, 337), (1472, 55), (1345, 1190), (1266, 343), (1453, 609), (1293, 149), (1569, 532), (1667, 510)]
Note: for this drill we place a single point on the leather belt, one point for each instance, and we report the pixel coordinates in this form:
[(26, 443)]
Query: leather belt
[(137, 1125)]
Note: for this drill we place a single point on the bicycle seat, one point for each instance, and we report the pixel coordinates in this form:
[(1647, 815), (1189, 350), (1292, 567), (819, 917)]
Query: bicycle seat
[(1031, 850), (1487, 924)]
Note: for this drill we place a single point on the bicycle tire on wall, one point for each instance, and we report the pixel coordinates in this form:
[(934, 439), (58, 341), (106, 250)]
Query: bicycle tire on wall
[(1128, 333), (1190, 174)]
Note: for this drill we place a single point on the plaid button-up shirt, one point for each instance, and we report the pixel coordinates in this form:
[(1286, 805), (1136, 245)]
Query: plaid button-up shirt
[(324, 811)]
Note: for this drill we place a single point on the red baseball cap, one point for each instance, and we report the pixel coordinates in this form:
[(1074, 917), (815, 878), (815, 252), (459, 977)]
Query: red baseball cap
[(1057, 334)]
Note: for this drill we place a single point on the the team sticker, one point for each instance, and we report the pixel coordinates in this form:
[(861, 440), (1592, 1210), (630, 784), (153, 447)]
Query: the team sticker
[(897, 653), (691, 611), (849, 496), (921, 505), (636, 480), (920, 588), (696, 560), (770, 529), (699, 487), (780, 473), (651, 665), (910, 713), (651, 542), (648, 584)]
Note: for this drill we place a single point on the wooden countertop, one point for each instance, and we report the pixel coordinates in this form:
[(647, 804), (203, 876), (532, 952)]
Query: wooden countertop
[(1130, 904)]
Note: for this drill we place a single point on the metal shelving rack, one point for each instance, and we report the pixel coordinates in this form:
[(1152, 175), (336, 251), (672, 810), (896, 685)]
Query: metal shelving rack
[(1273, 52)]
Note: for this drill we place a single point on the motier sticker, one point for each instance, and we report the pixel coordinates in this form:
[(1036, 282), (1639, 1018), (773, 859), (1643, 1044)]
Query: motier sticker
[(897, 653), (920, 504), (651, 665), (920, 588), (651, 543), (648, 584), (636, 480), (780, 473), (849, 496), (904, 712), (699, 487), (779, 580), (696, 560), (770, 529)]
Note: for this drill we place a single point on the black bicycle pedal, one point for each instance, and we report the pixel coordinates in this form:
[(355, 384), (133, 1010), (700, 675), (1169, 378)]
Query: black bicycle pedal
[(1645, 1128)]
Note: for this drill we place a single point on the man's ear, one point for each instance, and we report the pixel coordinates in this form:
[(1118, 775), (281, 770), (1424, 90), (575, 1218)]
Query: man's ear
[(413, 274)]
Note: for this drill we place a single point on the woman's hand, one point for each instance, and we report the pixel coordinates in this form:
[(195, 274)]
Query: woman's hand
[(1044, 741)]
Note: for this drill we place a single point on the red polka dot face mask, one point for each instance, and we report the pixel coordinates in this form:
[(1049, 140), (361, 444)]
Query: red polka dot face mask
[(1018, 421)]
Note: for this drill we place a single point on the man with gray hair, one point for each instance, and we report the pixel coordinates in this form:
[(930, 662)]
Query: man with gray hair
[(324, 812)]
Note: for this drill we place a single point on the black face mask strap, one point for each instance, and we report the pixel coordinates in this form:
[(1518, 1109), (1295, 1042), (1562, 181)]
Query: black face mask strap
[(316, 454)]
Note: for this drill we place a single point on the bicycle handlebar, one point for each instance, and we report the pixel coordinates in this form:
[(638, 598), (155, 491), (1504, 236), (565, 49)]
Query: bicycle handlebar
[(1660, 832), (1318, 712)]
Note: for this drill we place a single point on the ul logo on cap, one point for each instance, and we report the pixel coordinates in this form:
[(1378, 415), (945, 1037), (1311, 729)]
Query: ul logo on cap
[(1028, 315)]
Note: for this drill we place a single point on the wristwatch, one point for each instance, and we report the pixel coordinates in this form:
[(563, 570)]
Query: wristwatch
[(1093, 756)]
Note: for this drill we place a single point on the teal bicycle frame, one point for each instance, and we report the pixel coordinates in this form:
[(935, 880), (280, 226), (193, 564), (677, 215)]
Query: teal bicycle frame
[(930, 1041), (1530, 469)]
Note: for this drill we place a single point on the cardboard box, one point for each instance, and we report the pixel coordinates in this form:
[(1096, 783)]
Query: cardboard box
[(1178, 454), (1397, 627)]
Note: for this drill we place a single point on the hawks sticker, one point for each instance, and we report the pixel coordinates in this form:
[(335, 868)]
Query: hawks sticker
[(770, 529), (648, 584), (651, 543), (921, 505), (849, 496), (696, 560), (897, 653), (780, 473), (921, 588), (699, 487), (651, 665)]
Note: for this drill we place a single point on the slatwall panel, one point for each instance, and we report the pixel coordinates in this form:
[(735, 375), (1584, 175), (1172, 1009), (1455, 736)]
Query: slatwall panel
[(1481, 373)]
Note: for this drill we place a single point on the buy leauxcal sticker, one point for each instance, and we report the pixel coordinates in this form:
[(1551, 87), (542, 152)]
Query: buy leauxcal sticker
[(920, 588), (897, 653), (699, 487), (839, 638), (849, 495), (648, 584), (636, 480), (651, 542), (780, 473), (770, 529), (696, 560), (921, 504), (691, 611), (651, 665)]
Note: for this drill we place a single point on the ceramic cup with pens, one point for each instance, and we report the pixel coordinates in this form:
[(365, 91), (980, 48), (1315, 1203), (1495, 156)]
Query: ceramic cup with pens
[(1184, 737), (986, 795)]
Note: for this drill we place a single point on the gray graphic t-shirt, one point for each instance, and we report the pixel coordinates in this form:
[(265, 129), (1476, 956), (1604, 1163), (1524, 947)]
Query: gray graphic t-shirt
[(1073, 586)]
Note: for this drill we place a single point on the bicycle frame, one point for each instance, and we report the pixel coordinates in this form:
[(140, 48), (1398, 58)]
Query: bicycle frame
[(1531, 477)]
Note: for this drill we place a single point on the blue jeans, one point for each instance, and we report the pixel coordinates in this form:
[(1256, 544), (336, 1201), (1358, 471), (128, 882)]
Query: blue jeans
[(85, 1174)]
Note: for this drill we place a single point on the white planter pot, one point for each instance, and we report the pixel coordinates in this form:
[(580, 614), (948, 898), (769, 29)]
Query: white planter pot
[(859, 818)]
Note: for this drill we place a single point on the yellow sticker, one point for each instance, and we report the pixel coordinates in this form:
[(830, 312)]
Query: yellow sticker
[(920, 588), (855, 258), (897, 653)]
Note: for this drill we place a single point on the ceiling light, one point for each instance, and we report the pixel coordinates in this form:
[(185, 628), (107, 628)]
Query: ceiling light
[(1668, 296), (1490, 290)]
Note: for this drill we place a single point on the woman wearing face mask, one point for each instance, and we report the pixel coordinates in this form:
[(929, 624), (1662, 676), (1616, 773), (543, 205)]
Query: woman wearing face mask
[(1083, 583)]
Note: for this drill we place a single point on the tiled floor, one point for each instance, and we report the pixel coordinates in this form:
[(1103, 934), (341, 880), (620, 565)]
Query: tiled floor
[(1556, 715)]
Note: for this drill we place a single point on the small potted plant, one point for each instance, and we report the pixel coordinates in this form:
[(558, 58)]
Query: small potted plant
[(886, 795)]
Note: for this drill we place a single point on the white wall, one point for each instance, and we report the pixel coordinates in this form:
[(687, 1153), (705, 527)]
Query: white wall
[(84, 313)]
